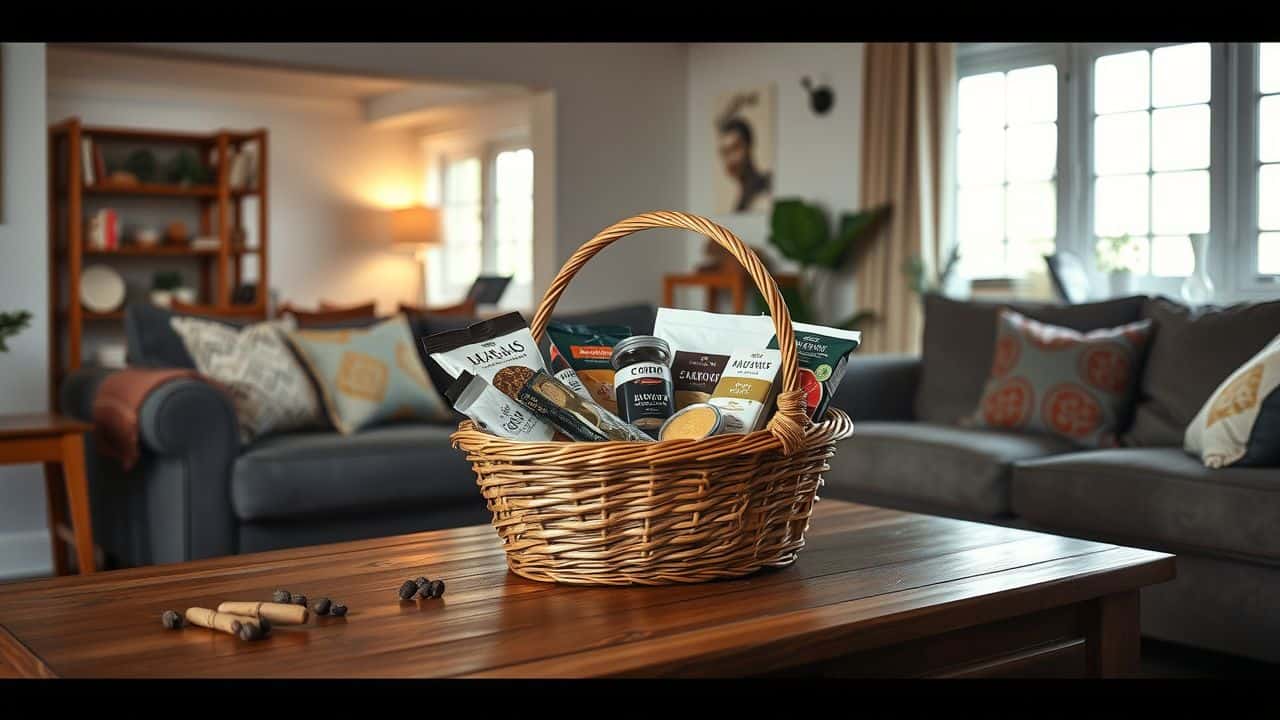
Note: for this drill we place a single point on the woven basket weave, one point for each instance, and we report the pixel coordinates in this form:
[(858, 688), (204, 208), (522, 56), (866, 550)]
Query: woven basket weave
[(675, 511)]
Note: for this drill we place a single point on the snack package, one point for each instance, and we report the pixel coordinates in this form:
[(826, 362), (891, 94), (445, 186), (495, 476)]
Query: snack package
[(486, 347), (701, 343), (495, 412), (746, 390), (823, 353), (580, 359), (570, 413)]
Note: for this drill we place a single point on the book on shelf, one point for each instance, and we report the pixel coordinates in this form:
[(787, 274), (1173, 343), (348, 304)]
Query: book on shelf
[(205, 242), (104, 230), (86, 160)]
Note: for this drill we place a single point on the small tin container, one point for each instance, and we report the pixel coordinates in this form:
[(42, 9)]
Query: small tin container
[(699, 415)]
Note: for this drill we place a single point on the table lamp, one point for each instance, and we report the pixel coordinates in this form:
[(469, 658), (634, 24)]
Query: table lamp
[(416, 228)]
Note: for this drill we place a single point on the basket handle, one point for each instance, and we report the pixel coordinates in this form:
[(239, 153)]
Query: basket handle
[(789, 423)]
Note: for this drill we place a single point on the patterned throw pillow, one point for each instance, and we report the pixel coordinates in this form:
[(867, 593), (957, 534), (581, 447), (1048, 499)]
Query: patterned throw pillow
[(1055, 380), (269, 389), (1240, 424), (370, 375)]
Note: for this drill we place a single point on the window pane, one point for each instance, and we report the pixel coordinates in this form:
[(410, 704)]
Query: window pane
[(1031, 213), (1180, 203), (1180, 75), (981, 216), (1180, 138), (1120, 144), (980, 156), (981, 101), (462, 181), (1033, 151), (1171, 256), (1269, 77), (514, 171), (1141, 253), (1120, 205), (1269, 253), (1033, 95), (1269, 129), (1121, 82), (1269, 197)]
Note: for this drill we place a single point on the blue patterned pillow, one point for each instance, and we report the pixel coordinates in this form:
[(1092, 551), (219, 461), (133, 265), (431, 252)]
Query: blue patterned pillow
[(370, 375)]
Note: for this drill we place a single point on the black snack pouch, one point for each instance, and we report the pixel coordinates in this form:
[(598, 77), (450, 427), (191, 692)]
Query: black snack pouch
[(580, 359), (572, 414)]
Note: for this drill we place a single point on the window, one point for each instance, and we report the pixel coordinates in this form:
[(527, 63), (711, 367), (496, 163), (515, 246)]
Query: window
[(486, 197), (1006, 160), (1151, 150), (1268, 160)]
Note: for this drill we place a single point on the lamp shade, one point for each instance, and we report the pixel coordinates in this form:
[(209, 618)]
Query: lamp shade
[(417, 226)]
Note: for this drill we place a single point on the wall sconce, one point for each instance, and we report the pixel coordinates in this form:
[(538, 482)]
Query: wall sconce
[(821, 98)]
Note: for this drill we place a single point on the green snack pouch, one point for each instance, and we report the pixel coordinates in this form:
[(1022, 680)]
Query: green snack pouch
[(823, 353), (580, 359)]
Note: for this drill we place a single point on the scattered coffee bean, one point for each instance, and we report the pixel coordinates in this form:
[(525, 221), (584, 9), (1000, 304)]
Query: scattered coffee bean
[(300, 600), (408, 590), (424, 591), (249, 631), (337, 609), (436, 588), (421, 580), (265, 624), (281, 596), (321, 606), (171, 620)]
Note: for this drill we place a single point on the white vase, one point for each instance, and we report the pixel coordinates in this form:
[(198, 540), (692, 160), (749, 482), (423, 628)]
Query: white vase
[(1197, 289), (1121, 282), (185, 295), (162, 298)]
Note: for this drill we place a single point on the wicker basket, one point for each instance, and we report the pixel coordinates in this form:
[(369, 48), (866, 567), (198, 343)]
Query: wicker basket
[(675, 511)]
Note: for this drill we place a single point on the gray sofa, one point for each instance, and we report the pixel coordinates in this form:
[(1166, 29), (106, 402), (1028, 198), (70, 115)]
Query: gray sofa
[(908, 452), (197, 493)]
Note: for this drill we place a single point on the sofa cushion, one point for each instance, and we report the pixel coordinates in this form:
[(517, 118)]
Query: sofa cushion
[(960, 337), (1191, 353), (309, 474), (1157, 497), (950, 467)]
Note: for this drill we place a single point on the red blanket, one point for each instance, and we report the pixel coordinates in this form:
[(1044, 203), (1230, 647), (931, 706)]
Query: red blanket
[(116, 407)]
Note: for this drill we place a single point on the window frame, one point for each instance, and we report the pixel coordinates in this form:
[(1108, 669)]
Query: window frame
[(1247, 94)]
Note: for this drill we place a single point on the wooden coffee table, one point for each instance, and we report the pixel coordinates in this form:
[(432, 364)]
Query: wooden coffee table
[(875, 593)]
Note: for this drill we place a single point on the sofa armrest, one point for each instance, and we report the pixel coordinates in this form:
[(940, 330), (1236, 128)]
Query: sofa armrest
[(175, 505), (879, 387)]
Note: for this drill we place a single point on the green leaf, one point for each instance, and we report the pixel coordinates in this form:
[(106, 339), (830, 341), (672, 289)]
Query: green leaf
[(11, 324), (852, 229), (799, 230)]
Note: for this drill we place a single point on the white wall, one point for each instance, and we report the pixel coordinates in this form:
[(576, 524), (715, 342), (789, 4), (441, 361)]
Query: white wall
[(24, 542), (816, 156), (331, 175), (620, 137)]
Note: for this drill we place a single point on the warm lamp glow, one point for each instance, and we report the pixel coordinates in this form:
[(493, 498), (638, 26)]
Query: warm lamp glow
[(417, 226)]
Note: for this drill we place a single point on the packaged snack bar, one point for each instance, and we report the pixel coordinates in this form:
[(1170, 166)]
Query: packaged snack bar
[(701, 343), (570, 413), (823, 353), (580, 359), (485, 348), (747, 389)]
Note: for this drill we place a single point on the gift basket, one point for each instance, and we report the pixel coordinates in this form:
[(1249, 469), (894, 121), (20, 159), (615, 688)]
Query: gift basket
[(668, 511)]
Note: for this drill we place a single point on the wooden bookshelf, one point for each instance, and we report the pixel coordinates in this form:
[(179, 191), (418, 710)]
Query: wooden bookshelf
[(220, 214)]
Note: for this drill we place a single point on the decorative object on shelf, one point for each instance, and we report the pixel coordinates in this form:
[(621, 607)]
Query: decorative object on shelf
[(186, 169), (12, 323), (1118, 257), (111, 355), (414, 229), (802, 232), (1197, 289), (123, 177), (163, 285), (744, 137), (1070, 278), (146, 237), (185, 295), (104, 230), (101, 289), (206, 242), (821, 98), (141, 163), (242, 167), (176, 233)]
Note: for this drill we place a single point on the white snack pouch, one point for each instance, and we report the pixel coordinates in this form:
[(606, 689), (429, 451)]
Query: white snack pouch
[(701, 343), (746, 389)]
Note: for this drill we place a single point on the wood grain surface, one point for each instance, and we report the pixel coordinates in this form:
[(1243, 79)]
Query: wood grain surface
[(915, 593)]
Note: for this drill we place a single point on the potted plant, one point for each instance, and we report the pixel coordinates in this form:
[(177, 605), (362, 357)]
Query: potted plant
[(802, 232), (163, 286), (918, 273), (12, 323), (1117, 257)]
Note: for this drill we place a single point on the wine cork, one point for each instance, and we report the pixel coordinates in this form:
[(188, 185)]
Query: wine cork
[(275, 612), (204, 617)]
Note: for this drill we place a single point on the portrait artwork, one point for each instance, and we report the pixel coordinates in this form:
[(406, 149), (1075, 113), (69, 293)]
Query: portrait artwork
[(744, 137)]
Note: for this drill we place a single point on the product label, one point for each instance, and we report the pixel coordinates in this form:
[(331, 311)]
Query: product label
[(746, 389), (695, 376), (823, 354), (644, 395)]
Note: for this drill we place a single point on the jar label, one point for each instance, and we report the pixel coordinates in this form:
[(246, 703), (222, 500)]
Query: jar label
[(644, 395)]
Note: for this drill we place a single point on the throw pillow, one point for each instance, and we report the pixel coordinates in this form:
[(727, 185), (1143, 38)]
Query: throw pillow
[(370, 375), (269, 389), (1058, 381), (1240, 424), (1191, 351)]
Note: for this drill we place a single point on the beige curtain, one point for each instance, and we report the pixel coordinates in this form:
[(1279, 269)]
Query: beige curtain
[(907, 134)]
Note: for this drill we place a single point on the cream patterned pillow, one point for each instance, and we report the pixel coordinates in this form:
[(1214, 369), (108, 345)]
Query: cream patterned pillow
[(370, 375), (1240, 424), (269, 388)]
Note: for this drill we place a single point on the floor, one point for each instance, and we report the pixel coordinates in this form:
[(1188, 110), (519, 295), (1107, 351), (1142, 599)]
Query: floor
[(1167, 660)]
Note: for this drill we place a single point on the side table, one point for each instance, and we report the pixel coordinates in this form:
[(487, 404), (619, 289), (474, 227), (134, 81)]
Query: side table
[(738, 284), (57, 442)]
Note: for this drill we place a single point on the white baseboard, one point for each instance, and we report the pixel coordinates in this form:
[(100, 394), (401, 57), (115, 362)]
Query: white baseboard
[(25, 554)]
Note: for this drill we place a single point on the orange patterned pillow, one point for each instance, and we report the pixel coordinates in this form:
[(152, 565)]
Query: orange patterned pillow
[(1058, 381)]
